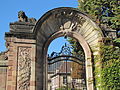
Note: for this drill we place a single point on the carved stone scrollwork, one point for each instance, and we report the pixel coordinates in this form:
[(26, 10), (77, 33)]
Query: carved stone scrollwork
[(70, 20), (24, 68)]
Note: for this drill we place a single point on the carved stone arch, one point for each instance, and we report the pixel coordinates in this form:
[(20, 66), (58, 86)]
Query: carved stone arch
[(65, 22)]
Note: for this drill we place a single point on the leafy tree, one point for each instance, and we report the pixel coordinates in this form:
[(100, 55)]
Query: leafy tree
[(105, 12), (78, 71), (77, 49)]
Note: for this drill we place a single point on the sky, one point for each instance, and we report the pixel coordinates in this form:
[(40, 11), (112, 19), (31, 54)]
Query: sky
[(58, 42), (33, 8)]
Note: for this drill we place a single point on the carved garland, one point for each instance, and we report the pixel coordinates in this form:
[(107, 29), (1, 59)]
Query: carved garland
[(24, 68)]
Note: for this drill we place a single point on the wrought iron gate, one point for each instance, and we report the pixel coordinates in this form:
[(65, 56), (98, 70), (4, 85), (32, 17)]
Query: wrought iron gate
[(66, 71)]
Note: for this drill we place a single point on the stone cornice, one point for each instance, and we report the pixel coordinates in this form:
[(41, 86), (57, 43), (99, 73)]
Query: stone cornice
[(25, 27), (21, 30), (20, 35)]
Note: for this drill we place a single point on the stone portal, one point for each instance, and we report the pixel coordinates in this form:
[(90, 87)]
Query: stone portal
[(28, 42)]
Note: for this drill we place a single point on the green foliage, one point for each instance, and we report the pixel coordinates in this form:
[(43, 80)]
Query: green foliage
[(63, 88), (117, 42), (76, 47), (111, 68), (103, 11)]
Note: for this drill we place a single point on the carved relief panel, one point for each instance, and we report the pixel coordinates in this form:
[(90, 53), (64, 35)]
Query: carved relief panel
[(24, 68), (69, 20)]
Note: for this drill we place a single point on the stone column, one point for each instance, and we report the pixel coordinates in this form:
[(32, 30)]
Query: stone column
[(21, 53)]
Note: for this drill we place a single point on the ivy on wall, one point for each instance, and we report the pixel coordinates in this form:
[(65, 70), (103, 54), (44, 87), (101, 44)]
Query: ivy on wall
[(107, 74), (111, 66)]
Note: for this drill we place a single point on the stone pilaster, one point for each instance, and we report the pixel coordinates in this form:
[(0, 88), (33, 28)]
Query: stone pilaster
[(21, 46)]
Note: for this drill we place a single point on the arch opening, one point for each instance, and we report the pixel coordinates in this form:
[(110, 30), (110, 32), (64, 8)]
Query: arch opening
[(87, 53), (66, 68)]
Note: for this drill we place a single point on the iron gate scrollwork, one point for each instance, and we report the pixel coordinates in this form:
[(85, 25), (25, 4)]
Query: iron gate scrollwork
[(66, 70)]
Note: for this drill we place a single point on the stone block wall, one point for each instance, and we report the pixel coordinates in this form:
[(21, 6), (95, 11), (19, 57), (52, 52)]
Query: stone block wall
[(3, 71), (3, 74)]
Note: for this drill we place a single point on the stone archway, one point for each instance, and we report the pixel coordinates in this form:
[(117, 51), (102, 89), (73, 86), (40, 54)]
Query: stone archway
[(28, 42), (66, 22)]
